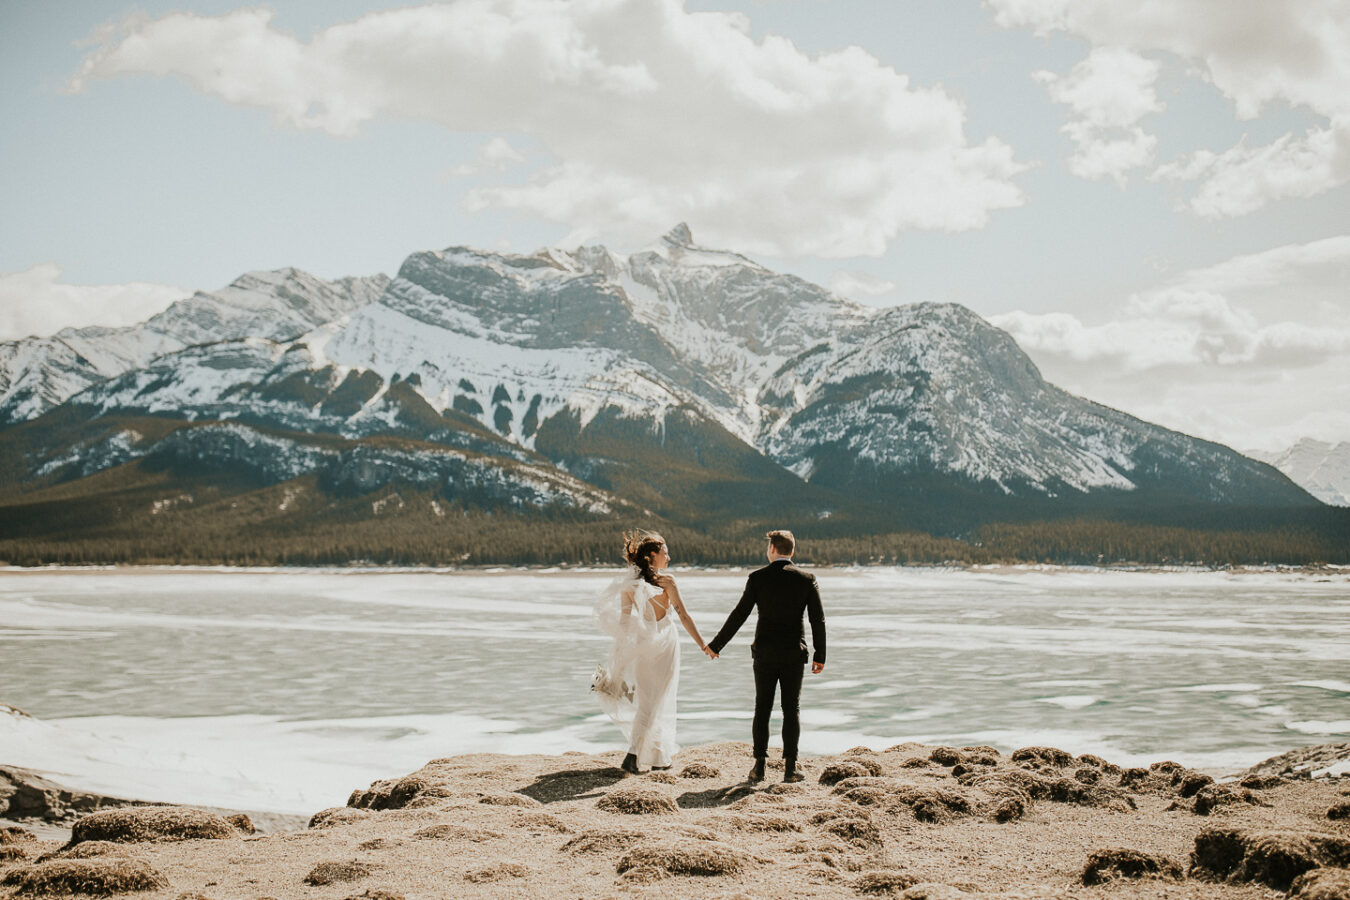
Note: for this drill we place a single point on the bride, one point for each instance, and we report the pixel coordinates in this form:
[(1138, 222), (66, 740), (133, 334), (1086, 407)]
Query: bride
[(638, 685)]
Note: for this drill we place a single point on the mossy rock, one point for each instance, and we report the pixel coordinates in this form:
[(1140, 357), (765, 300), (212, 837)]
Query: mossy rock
[(337, 871), (152, 823), (97, 877), (1121, 862), (638, 801), (706, 858)]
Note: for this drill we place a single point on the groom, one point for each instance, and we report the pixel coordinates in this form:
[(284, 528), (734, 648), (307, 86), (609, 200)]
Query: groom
[(781, 592)]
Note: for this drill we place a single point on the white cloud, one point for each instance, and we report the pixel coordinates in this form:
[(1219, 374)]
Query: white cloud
[(1253, 352), (650, 114), (35, 302), (497, 155), (1295, 52), (1108, 92), (859, 284)]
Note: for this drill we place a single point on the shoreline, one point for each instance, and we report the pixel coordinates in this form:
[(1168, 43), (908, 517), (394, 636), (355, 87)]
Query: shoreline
[(562, 569), (915, 821)]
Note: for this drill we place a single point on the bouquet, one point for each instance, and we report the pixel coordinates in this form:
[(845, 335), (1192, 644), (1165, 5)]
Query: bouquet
[(611, 686)]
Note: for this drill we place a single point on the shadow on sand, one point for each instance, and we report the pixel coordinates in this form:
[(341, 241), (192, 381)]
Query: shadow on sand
[(572, 784)]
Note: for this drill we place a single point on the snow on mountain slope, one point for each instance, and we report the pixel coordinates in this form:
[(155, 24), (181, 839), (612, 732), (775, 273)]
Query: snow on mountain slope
[(1321, 468), (39, 373), (478, 350)]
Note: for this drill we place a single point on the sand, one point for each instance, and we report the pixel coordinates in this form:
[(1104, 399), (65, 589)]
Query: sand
[(912, 820)]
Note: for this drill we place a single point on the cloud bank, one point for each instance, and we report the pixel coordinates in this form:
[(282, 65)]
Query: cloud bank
[(1256, 54), (1253, 352), (36, 302), (648, 114)]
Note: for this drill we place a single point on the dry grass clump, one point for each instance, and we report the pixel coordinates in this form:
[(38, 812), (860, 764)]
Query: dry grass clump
[(338, 871), (1321, 884), (497, 872), (151, 823), (1339, 811), (946, 756), (762, 823), (885, 881), (709, 858), (504, 798), (11, 852), (447, 832), (1008, 809), (1272, 858), (89, 849), (13, 834), (857, 831), (1122, 862), (841, 771), (930, 890), (242, 822), (375, 894), (602, 840), (541, 820), (700, 770), (1262, 782), (112, 875), (1044, 756), (337, 815), (638, 801)]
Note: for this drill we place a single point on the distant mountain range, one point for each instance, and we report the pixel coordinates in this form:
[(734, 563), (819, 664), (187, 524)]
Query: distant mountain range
[(1320, 468), (682, 383)]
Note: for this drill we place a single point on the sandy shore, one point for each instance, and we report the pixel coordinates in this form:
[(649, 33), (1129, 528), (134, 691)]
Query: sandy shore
[(912, 820)]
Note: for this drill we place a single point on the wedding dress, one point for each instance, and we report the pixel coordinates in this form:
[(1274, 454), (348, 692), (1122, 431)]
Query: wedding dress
[(637, 686)]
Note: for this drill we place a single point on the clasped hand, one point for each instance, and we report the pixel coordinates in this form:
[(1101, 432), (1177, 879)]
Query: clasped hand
[(712, 654)]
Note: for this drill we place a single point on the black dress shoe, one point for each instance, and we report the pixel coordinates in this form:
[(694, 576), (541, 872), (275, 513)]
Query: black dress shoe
[(790, 773), (629, 764), (757, 771)]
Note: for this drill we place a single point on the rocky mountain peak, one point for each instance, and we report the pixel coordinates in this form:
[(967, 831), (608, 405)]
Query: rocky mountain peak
[(679, 236)]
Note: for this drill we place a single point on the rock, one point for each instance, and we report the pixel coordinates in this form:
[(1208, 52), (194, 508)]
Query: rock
[(1321, 884), (638, 801), (946, 756), (337, 815), (338, 871), (497, 872), (1120, 862), (1316, 761), (686, 858), (700, 770), (242, 823), (109, 875), (152, 823), (837, 772), (25, 794), (1049, 756), (885, 881)]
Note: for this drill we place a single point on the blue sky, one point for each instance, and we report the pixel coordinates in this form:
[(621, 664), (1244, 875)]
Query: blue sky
[(1153, 202)]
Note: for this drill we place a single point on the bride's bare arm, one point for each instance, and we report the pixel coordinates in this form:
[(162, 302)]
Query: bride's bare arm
[(673, 592)]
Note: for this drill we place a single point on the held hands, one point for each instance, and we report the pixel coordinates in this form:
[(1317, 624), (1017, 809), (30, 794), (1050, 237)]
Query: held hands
[(817, 668), (712, 654)]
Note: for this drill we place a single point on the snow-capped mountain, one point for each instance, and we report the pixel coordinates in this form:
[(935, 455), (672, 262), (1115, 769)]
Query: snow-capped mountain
[(39, 373), (1320, 468), (677, 376)]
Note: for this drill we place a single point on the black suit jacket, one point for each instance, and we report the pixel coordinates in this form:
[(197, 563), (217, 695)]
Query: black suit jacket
[(781, 593)]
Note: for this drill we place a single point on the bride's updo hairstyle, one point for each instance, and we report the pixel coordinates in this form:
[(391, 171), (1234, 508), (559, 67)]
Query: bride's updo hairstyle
[(638, 548)]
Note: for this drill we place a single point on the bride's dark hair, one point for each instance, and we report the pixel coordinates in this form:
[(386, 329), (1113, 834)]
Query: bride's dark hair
[(638, 548)]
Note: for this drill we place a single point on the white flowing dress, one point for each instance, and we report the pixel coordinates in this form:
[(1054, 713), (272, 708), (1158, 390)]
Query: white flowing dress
[(638, 684)]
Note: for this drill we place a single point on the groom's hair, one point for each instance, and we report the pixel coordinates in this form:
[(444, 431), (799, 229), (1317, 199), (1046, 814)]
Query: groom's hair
[(783, 542)]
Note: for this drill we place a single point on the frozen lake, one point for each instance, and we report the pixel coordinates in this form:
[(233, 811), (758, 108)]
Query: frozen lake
[(283, 690)]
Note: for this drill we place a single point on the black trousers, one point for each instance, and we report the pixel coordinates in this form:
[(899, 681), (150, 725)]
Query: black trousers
[(787, 679)]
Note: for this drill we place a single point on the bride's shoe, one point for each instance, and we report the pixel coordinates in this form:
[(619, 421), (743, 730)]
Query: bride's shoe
[(629, 764)]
